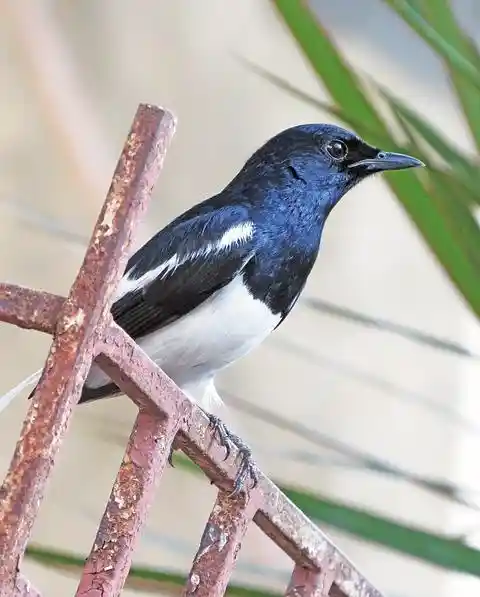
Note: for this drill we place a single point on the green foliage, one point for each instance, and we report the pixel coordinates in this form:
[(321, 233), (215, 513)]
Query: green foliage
[(449, 553), (440, 200), (140, 578)]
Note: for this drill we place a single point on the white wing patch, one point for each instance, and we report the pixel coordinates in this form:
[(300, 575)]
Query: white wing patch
[(232, 237)]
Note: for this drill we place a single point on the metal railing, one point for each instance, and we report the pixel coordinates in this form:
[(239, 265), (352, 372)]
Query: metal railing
[(83, 330)]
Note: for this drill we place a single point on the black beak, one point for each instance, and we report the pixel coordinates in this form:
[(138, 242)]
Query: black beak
[(388, 161)]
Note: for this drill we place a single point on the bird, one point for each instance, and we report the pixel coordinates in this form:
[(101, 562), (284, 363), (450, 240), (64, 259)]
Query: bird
[(213, 284)]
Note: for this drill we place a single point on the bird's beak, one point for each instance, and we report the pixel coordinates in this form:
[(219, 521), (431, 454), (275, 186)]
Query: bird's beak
[(388, 161)]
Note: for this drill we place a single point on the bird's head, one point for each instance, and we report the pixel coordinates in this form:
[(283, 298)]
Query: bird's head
[(327, 159)]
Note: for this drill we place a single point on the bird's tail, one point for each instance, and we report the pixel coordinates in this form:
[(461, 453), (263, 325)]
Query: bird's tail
[(14, 392)]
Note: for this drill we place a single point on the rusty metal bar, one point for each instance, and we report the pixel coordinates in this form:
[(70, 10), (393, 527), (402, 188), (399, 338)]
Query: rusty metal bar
[(144, 462), (306, 544), (137, 375), (80, 322), (220, 544), (29, 309), (306, 582)]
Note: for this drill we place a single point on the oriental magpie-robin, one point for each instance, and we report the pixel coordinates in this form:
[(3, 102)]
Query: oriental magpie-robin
[(215, 282)]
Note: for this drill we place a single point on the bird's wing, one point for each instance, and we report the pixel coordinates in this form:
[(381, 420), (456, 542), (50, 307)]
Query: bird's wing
[(181, 267)]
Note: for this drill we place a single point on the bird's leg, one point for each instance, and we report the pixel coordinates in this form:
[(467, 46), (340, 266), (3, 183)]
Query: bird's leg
[(247, 467), (173, 447), (219, 428)]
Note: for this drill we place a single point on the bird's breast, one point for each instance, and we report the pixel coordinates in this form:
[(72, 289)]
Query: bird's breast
[(215, 334)]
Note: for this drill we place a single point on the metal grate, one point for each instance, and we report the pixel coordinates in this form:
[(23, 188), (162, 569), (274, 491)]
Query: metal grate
[(83, 330)]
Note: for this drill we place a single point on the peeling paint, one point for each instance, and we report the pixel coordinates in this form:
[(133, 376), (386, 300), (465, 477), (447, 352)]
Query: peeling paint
[(72, 321)]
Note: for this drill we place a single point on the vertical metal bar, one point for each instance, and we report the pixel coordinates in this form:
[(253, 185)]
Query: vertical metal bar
[(80, 322), (145, 459), (310, 583), (220, 544)]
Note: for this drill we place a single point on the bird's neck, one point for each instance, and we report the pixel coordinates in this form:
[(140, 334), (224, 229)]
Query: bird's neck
[(302, 199)]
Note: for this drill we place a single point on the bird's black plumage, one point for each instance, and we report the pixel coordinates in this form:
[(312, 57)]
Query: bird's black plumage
[(198, 275)]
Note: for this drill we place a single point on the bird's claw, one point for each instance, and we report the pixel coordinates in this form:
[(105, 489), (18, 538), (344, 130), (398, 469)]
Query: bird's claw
[(247, 468), (224, 435), (170, 457)]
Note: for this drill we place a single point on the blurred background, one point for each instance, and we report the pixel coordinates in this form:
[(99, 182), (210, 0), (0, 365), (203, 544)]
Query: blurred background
[(364, 405)]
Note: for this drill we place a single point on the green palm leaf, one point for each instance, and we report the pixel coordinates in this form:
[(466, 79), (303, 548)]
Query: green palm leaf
[(446, 552), (436, 24), (445, 221), (140, 578)]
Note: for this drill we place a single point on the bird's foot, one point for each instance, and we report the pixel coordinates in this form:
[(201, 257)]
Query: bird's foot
[(247, 468), (224, 436)]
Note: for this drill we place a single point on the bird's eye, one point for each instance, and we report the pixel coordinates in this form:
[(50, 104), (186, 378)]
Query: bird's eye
[(336, 149)]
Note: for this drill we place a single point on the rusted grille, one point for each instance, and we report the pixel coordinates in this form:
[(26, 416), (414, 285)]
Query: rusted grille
[(83, 330)]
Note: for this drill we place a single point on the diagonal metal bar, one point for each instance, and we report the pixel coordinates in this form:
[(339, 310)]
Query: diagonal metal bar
[(220, 544), (80, 321), (306, 544), (138, 376)]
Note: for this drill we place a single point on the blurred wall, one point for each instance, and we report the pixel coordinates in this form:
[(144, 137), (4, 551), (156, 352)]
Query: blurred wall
[(73, 74)]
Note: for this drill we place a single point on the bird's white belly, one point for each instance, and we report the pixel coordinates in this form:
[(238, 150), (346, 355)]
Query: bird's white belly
[(215, 334), (218, 332)]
